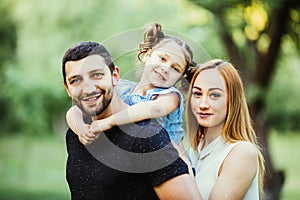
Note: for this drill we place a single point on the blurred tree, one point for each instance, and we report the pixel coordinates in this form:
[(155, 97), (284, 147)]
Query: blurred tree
[(252, 33), (8, 41), (47, 28)]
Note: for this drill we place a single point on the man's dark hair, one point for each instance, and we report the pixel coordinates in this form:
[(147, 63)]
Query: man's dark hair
[(84, 49)]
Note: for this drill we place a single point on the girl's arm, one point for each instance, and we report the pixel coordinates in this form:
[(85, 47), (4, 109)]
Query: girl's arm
[(161, 106), (75, 121)]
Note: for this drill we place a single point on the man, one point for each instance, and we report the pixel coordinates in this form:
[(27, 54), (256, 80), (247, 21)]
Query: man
[(134, 161)]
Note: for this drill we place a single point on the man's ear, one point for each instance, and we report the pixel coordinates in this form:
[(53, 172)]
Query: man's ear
[(116, 76), (67, 89)]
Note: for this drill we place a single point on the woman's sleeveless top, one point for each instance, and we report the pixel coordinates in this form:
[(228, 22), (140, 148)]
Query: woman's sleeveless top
[(207, 164)]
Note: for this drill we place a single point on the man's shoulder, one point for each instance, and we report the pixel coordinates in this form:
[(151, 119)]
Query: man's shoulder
[(143, 135), (147, 128)]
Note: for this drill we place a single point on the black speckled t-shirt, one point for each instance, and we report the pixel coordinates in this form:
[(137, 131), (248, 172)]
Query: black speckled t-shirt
[(125, 162)]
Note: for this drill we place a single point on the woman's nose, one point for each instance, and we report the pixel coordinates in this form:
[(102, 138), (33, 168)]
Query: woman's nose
[(204, 103)]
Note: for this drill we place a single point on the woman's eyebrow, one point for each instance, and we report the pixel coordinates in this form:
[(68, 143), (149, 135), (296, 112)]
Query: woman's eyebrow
[(216, 88), (196, 87)]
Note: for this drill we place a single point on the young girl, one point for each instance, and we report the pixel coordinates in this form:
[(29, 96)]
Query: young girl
[(225, 153), (165, 59)]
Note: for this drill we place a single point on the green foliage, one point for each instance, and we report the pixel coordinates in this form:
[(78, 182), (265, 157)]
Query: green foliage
[(284, 147), (33, 167), (47, 28), (219, 5), (37, 33), (8, 35), (8, 40), (282, 105), (245, 27)]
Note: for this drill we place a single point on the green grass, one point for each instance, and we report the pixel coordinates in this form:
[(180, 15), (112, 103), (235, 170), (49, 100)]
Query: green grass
[(285, 150), (34, 167)]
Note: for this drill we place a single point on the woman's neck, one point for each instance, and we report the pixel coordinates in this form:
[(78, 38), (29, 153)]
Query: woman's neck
[(211, 133)]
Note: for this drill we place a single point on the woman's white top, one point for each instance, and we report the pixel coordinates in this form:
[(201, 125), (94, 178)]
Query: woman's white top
[(207, 164)]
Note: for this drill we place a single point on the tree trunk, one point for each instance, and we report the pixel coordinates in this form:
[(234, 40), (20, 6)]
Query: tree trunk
[(274, 179), (265, 65), (248, 58)]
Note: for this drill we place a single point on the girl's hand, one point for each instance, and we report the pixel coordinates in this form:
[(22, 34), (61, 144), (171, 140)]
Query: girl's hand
[(85, 136), (98, 126)]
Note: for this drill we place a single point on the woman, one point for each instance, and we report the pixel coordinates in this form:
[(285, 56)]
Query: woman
[(224, 149)]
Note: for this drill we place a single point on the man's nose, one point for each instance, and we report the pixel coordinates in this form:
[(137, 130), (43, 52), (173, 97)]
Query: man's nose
[(89, 87)]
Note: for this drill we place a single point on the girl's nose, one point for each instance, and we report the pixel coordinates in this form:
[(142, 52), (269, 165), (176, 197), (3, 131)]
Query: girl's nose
[(165, 67)]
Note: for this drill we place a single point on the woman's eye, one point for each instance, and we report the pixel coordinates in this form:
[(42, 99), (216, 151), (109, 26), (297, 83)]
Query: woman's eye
[(215, 95), (196, 94)]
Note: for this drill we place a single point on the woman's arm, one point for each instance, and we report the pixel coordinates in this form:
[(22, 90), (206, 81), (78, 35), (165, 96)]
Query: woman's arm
[(75, 121), (179, 188), (161, 106), (237, 173)]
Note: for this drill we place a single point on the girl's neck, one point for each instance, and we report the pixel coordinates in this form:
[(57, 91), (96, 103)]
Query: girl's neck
[(142, 88)]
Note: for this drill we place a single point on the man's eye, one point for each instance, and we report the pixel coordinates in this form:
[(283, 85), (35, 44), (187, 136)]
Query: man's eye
[(74, 81), (97, 75)]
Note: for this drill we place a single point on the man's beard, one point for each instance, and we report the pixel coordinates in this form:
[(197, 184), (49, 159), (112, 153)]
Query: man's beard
[(99, 107)]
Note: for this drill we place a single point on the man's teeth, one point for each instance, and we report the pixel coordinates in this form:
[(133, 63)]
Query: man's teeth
[(91, 98)]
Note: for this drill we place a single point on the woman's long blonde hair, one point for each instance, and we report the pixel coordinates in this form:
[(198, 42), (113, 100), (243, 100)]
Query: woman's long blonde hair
[(238, 125)]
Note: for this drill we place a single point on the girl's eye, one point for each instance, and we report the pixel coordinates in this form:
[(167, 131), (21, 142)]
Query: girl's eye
[(175, 69), (162, 58)]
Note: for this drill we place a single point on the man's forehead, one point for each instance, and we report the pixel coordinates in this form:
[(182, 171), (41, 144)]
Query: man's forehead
[(89, 63), (93, 60)]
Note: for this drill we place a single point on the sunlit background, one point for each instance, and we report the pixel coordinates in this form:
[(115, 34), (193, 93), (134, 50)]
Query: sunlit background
[(261, 38)]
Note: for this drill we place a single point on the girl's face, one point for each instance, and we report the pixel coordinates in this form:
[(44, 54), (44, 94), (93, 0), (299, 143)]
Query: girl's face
[(164, 65), (209, 99)]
